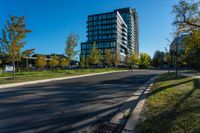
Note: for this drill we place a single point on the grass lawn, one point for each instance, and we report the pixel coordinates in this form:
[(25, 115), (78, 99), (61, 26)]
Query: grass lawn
[(30, 76), (173, 106)]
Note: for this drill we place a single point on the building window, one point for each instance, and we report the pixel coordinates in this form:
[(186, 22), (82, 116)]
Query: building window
[(84, 46)]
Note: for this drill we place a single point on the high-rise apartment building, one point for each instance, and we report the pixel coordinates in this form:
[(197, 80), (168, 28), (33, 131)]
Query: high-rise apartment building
[(131, 19), (117, 31)]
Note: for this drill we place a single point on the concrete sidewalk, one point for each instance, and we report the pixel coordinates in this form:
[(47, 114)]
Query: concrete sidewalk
[(192, 74), (136, 110), (53, 79)]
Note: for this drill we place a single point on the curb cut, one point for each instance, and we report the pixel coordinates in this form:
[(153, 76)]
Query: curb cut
[(53, 79), (135, 114)]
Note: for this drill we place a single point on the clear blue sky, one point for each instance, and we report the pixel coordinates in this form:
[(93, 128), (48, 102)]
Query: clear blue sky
[(52, 20)]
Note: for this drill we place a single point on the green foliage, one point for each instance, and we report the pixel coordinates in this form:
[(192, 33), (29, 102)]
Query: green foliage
[(1, 59), (108, 57), (168, 57), (64, 62), (41, 61), (192, 42), (12, 40), (188, 21), (133, 59), (54, 61), (145, 60), (87, 62), (192, 48), (95, 56), (187, 15), (172, 106), (71, 44), (116, 59), (158, 59), (84, 62)]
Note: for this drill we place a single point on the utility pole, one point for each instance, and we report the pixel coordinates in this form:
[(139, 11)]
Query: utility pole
[(176, 64)]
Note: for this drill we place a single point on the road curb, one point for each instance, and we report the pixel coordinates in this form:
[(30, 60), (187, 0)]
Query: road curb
[(53, 79), (135, 113)]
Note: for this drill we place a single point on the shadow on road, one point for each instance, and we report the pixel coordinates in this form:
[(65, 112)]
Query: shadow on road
[(67, 105)]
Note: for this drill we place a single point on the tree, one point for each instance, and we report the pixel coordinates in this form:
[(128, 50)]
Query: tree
[(108, 57), (192, 48), (1, 62), (71, 44), (63, 62), (95, 56), (127, 59), (133, 59), (84, 61), (187, 15), (87, 62), (41, 62), (12, 40), (168, 60), (26, 54), (145, 60), (54, 61), (116, 59), (158, 59), (1, 59)]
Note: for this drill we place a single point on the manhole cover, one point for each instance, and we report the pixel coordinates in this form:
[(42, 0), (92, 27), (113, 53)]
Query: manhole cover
[(105, 127)]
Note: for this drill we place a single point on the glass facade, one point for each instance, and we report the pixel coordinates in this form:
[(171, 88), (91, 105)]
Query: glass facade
[(112, 30), (131, 19)]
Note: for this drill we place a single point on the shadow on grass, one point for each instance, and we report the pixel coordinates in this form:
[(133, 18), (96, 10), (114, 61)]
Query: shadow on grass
[(171, 76), (166, 121), (157, 90)]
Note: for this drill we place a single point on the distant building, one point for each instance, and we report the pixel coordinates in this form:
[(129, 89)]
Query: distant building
[(177, 44), (117, 31)]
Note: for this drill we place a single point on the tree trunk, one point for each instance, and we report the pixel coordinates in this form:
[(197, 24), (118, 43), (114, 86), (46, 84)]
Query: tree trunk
[(198, 59), (27, 64), (168, 68), (13, 63), (176, 67)]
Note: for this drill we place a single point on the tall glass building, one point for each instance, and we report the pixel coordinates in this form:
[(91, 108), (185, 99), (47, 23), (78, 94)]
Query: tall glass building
[(117, 31), (131, 19)]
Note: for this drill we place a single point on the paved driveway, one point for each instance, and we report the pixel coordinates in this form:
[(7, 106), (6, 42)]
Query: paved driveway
[(67, 105)]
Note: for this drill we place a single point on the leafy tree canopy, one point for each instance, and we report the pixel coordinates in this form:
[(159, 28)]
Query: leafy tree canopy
[(71, 44), (95, 55), (145, 60), (158, 58), (41, 61), (187, 15), (54, 61), (108, 57), (64, 62), (134, 59)]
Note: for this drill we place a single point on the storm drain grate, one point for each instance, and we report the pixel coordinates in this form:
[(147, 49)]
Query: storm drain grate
[(105, 127)]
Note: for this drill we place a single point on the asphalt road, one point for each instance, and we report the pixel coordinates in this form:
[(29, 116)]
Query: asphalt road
[(67, 105)]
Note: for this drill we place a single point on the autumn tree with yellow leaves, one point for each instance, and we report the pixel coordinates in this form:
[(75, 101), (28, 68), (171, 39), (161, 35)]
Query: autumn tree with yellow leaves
[(63, 62), (12, 40), (108, 57), (41, 62), (54, 61)]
